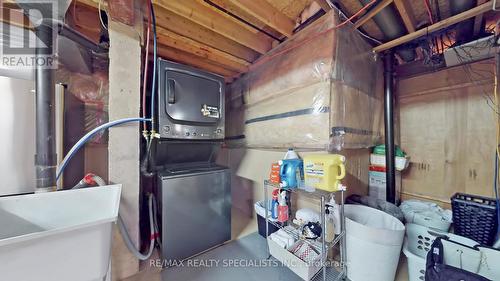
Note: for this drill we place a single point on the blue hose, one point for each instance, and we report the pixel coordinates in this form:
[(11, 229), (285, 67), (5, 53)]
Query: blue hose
[(89, 136)]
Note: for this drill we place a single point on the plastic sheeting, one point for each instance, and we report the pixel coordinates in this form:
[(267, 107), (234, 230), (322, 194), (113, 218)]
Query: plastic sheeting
[(324, 93)]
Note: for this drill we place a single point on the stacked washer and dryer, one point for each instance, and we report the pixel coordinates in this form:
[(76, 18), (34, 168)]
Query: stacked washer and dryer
[(194, 192)]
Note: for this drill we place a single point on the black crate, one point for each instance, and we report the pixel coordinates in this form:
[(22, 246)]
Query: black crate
[(475, 217)]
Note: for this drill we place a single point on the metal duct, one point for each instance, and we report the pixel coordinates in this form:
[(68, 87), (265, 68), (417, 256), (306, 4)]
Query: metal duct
[(392, 27), (465, 29)]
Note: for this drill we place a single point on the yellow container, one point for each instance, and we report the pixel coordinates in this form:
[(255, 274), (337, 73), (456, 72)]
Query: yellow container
[(324, 171)]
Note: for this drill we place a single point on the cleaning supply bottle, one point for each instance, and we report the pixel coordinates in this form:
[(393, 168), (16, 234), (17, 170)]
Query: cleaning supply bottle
[(291, 173), (274, 204), (274, 176), (282, 207), (332, 227), (324, 171), (291, 154)]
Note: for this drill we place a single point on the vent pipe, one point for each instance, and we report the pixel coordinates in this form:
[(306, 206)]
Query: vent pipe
[(45, 157), (392, 27), (389, 127)]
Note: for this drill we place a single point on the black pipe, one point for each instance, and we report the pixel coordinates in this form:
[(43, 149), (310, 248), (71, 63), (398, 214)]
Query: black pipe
[(68, 32), (389, 126), (45, 157)]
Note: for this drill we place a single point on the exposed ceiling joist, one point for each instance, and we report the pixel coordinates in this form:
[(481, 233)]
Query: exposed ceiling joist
[(187, 28), (324, 5), (435, 27), (265, 12), (218, 22), (173, 40), (372, 12), (406, 13), (186, 58)]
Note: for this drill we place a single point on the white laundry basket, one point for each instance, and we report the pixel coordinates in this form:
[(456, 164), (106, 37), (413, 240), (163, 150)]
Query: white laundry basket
[(374, 241), (58, 236)]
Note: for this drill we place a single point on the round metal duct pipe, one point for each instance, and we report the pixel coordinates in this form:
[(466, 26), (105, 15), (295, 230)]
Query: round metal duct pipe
[(392, 27)]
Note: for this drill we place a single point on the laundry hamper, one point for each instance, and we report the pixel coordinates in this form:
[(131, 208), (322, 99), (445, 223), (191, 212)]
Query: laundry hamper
[(418, 242), (373, 242)]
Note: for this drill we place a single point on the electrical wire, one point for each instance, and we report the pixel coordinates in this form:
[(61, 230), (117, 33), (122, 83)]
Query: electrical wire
[(100, 16), (307, 40), (429, 11), (88, 136), (155, 54), (146, 64)]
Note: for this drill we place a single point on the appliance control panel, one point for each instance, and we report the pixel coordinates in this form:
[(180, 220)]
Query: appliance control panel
[(174, 131)]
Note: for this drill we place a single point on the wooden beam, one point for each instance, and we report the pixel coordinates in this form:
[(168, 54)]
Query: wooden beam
[(324, 5), (94, 3), (435, 27), (406, 12), (122, 11), (189, 59), (15, 15), (265, 12), (372, 12), (221, 23), (187, 28), (176, 41)]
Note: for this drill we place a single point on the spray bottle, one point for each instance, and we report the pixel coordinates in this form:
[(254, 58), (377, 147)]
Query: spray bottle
[(274, 204), (282, 207), (333, 219)]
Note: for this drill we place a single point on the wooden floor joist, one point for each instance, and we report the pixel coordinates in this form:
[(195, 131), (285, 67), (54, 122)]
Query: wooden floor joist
[(187, 28), (189, 59), (435, 27), (174, 40), (218, 22), (265, 12), (406, 13), (371, 13)]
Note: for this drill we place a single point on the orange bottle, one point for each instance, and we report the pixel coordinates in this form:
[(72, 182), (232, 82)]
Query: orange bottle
[(274, 176)]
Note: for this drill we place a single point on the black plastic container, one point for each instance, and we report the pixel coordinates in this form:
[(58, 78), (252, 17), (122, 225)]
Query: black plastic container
[(261, 224), (475, 217)]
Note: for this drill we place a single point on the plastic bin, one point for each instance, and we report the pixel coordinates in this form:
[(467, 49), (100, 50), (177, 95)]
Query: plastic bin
[(427, 214), (58, 236), (305, 270), (373, 240), (418, 243), (475, 217), (261, 221)]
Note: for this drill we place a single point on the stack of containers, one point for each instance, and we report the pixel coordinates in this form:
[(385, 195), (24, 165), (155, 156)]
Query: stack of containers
[(377, 171)]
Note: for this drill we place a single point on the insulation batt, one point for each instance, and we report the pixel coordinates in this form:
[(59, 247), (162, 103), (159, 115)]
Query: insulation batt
[(326, 93)]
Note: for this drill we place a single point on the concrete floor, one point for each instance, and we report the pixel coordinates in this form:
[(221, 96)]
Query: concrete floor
[(215, 265)]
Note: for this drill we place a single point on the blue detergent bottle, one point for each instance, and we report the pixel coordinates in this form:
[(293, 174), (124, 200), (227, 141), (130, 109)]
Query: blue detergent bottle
[(291, 172)]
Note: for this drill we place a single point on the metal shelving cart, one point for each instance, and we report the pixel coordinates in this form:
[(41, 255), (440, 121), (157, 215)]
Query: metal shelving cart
[(327, 272)]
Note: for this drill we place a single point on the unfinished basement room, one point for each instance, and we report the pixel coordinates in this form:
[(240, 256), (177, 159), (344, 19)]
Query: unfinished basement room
[(250, 140)]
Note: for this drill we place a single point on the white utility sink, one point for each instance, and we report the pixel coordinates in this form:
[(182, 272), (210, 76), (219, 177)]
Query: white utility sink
[(58, 236)]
